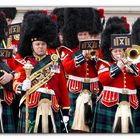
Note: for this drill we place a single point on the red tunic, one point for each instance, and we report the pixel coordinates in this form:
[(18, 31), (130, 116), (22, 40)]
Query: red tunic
[(85, 73), (112, 87), (56, 83)]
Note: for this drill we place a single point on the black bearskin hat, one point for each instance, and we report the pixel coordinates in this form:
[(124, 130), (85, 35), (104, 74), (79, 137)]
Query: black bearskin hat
[(3, 27), (118, 20), (36, 26), (112, 28), (59, 12), (10, 12), (79, 20), (136, 32)]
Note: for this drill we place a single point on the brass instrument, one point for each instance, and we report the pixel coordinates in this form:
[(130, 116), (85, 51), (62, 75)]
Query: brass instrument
[(92, 54), (91, 45), (132, 54)]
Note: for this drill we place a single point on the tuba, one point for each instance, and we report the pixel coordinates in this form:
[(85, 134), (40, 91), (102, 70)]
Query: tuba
[(133, 54)]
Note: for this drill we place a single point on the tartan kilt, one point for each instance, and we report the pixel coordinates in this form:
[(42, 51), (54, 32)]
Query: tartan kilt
[(136, 119), (73, 97), (8, 118), (136, 114), (32, 117), (104, 118)]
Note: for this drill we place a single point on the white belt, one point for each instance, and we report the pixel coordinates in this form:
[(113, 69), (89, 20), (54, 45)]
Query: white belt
[(47, 91), (84, 80), (120, 90)]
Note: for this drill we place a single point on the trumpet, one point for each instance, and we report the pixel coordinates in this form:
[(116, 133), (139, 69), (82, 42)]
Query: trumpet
[(132, 54), (91, 46), (92, 54)]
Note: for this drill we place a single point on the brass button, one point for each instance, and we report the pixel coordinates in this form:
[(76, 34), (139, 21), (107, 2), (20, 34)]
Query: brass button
[(76, 87)]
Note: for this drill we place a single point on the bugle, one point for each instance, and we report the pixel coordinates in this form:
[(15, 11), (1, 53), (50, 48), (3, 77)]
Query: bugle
[(132, 54)]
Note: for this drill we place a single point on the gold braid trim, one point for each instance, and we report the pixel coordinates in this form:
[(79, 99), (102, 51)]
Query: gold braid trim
[(34, 76)]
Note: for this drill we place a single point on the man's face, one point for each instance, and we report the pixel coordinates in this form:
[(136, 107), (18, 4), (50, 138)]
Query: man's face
[(86, 35), (39, 47), (95, 36), (83, 36)]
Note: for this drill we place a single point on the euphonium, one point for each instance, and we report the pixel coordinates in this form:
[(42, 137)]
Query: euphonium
[(133, 53)]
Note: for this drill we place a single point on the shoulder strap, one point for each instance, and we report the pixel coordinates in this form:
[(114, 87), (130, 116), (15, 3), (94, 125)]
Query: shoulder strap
[(63, 69)]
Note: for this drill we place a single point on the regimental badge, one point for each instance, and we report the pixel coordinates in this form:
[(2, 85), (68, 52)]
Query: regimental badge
[(89, 44), (121, 41), (54, 67), (13, 33), (14, 29), (6, 53)]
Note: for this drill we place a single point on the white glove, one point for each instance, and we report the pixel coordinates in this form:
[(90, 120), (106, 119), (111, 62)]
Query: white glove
[(26, 85), (84, 52), (65, 119)]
